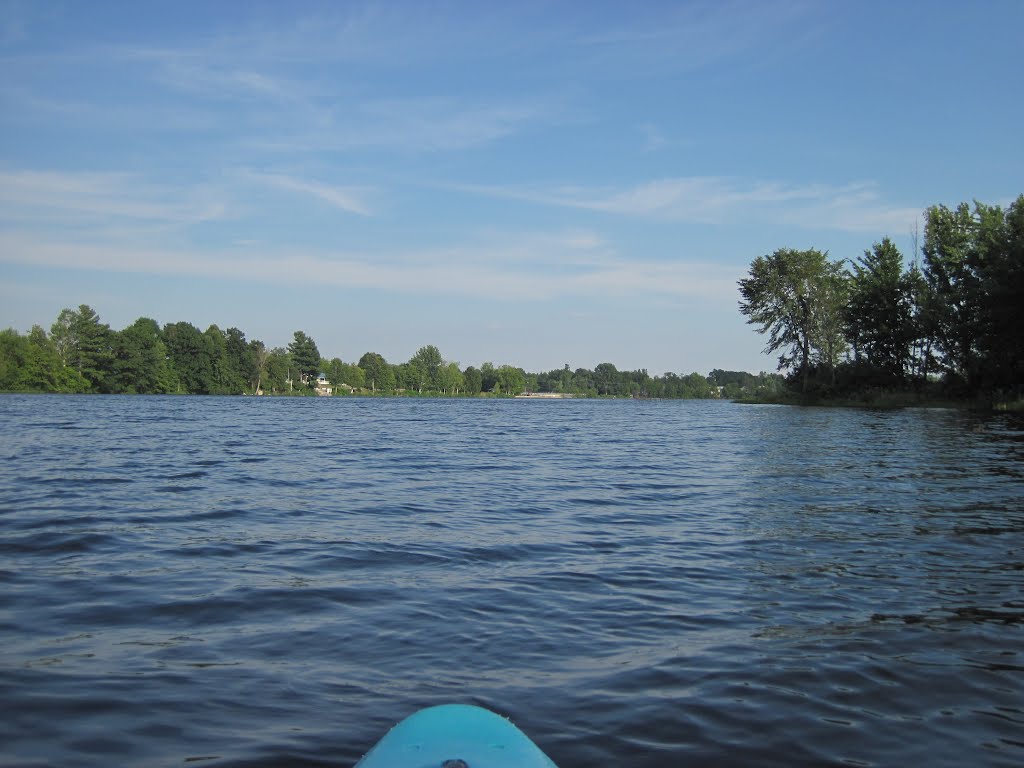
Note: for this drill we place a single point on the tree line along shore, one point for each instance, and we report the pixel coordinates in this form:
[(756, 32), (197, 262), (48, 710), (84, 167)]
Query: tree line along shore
[(875, 330), (947, 326), (81, 354)]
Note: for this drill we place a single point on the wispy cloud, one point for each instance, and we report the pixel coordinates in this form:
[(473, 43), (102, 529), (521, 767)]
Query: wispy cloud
[(855, 207), (688, 37), (504, 270), (185, 73), (69, 196), (654, 139), (347, 199), (273, 103), (407, 125), (444, 124)]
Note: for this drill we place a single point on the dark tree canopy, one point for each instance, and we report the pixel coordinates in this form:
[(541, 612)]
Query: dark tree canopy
[(140, 360), (190, 354), (886, 325), (377, 374), (880, 311), (305, 356), (472, 380)]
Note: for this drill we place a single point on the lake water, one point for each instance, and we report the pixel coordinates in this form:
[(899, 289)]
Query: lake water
[(274, 582)]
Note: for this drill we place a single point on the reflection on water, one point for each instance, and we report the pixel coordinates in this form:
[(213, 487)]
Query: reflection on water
[(243, 581)]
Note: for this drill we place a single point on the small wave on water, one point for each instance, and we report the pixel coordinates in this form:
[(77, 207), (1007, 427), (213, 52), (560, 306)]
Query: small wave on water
[(267, 582)]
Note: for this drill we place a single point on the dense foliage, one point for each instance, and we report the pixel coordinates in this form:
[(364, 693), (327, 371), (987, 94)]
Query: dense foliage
[(82, 354), (950, 323)]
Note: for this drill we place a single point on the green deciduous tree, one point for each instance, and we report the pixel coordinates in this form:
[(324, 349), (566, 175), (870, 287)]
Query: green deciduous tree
[(951, 269), (606, 379), (511, 380), (583, 382), (354, 376), (450, 378), (410, 376), (998, 259), (794, 296), (1004, 341), (13, 350), (472, 380), (85, 344), (557, 380), (488, 377), (377, 374), (32, 364), (339, 372), (277, 374), (259, 355), (191, 355), (827, 335), (42, 369), (140, 360), (974, 270), (424, 368), (697, 387)]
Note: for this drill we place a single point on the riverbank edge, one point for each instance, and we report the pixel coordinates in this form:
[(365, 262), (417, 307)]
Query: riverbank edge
[(886, 401)]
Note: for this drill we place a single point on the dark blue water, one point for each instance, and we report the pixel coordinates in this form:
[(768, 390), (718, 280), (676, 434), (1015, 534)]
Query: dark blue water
[(274, 582)]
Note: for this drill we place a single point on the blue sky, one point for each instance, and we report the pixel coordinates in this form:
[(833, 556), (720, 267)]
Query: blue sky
[(533, 183)]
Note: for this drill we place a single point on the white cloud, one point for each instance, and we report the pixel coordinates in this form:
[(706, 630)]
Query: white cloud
[(855, 207), (222, 83), (293, 89), (405, 125), (654, 139), (344, 198), (83, 195), (688, 37), (502, 270)]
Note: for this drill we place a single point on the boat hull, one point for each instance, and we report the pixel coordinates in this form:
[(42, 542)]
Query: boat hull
[(455, 736)]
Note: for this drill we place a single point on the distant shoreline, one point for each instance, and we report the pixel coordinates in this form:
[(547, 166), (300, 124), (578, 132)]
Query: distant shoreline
[(885, 401)]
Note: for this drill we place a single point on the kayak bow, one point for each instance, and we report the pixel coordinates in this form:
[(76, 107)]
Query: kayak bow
[(455, 736)]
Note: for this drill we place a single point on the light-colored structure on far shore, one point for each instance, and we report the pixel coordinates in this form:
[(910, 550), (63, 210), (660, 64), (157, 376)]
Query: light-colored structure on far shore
[(324, 388)]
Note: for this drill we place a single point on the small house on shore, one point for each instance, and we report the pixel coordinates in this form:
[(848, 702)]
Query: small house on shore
[(324, 388)]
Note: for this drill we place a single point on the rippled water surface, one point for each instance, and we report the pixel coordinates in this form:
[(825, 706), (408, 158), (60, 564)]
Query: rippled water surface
[(274, 582)]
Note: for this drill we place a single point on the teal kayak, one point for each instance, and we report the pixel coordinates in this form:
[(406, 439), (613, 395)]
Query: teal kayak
[(455, 736)]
